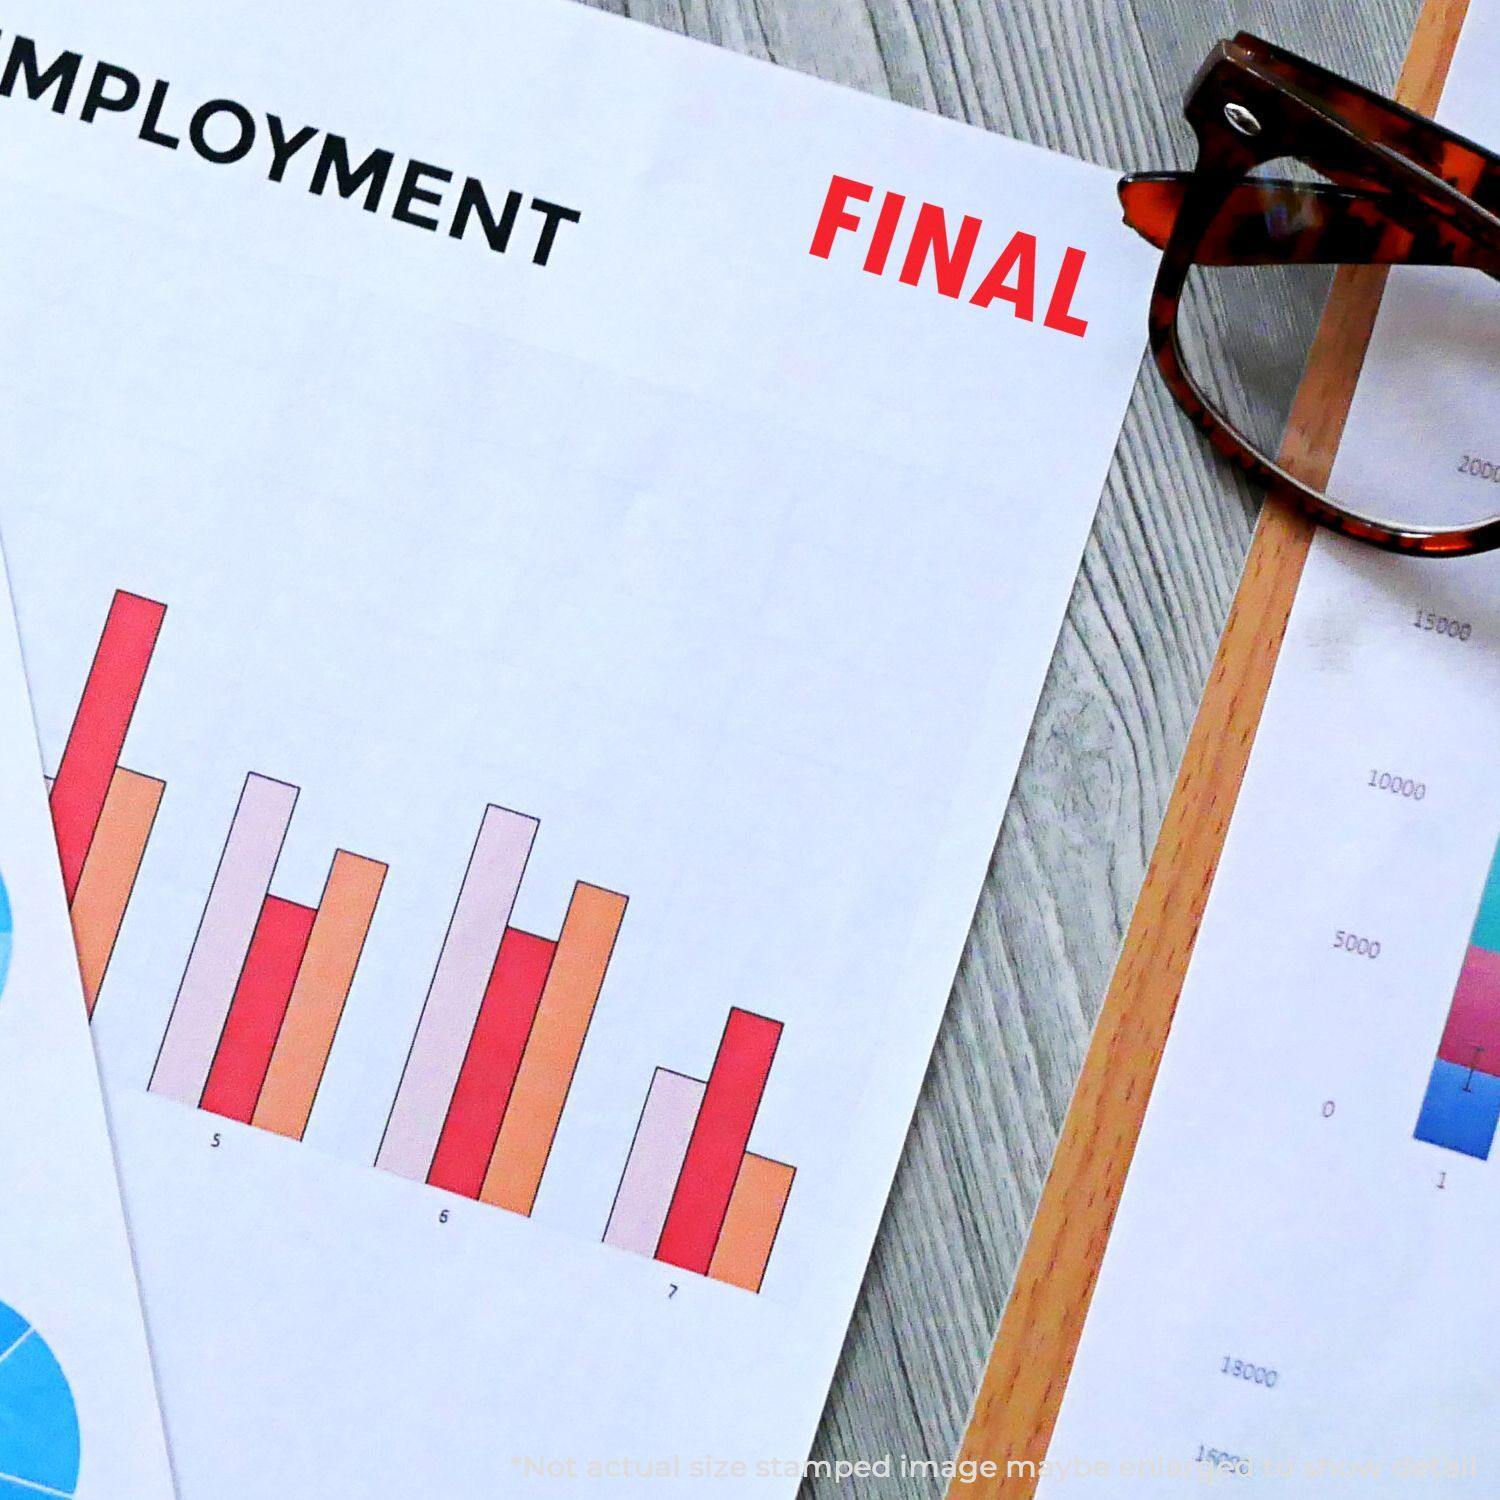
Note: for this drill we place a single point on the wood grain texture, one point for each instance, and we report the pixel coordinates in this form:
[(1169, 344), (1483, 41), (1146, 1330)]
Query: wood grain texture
[(1102, 79)]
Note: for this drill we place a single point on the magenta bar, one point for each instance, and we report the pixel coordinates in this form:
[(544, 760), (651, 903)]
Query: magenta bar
[(656, 1156), (213, 968), (479, 920)]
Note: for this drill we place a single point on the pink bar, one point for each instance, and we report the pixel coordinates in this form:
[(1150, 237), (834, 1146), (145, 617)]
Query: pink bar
[(656, 1155), (1472, 1036), (480, 917), (213, 967)]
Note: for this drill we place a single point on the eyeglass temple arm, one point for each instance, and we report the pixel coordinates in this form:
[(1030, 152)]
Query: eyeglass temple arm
[(1270, 221), (1455, 158)]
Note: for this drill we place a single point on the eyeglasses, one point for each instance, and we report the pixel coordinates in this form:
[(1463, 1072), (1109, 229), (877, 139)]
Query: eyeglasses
[(1300, 171)]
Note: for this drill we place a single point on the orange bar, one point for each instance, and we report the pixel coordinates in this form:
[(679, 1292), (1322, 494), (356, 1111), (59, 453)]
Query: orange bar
[(750, 1226), (317, 1003), (562, 1021), (109, 871)]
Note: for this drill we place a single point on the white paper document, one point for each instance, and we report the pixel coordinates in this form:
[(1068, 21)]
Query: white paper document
[(78, 1411), (1299, 1294), (537, 544)]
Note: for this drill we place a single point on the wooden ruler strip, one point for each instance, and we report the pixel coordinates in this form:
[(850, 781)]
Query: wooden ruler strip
[(1022, 1389)]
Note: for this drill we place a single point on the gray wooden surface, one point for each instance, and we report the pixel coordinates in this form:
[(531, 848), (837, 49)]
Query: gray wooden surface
[(1102, 79)]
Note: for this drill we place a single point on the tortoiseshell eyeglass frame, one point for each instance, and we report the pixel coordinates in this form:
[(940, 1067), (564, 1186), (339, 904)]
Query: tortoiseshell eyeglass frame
[(1400, 190)]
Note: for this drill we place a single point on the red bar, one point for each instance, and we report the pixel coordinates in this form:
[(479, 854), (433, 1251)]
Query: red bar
[(719, 1140), (98, 733), (491, 1063), (260, 1001)]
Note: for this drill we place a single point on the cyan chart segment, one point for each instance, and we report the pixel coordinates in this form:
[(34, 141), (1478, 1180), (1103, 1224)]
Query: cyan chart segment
[(7, 934), (692, 1194), (1461, 1109)]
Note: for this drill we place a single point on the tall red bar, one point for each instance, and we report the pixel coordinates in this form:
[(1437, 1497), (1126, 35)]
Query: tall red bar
[(717, 1147), (255, 1016), (99, 727), (492, 1062)]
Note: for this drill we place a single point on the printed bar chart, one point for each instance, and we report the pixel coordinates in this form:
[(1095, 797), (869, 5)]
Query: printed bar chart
[(492, 1062), (720, 1137), (1461, 1109), (752, 1221), (334, 945), (92, 753), (109, 873), (102, 813), (563, 1014), (265, 983), (655, 1162), (218, 954), (692, 1194), (260, 1002), (469, 952), (501, 1031), (503, 1026)]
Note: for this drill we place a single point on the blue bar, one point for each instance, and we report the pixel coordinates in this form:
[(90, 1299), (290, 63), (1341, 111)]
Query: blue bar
[(1487, 923), (1461, 1110)]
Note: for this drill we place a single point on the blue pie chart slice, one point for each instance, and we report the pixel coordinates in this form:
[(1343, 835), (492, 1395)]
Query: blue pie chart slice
[(5, 934), (39, 1443)]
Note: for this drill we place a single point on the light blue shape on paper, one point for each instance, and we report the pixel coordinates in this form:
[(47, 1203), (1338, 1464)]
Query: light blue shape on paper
[(5, 934), (40, 1448)]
